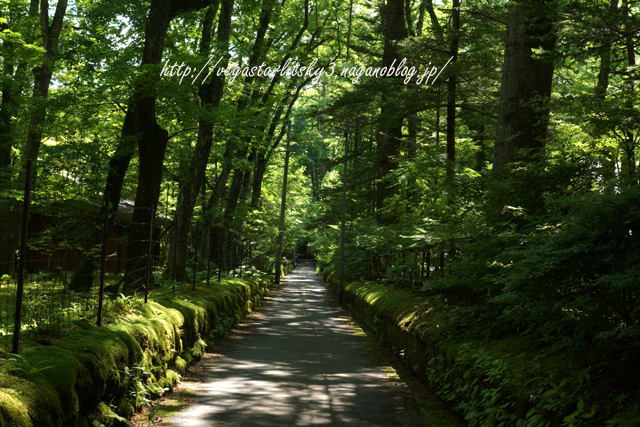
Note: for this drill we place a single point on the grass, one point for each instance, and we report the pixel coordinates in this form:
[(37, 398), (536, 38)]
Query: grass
[(49, 310)]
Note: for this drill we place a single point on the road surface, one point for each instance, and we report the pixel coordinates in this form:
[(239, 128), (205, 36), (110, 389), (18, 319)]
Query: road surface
[(301, 365)]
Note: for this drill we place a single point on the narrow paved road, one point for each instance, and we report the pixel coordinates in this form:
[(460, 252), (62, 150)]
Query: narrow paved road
[(301, 366)]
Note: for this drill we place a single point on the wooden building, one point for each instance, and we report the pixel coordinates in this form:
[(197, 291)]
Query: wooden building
[(57, 235)]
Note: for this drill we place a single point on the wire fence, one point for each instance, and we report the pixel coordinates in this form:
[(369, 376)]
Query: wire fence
[(413, 267), (60, 260)]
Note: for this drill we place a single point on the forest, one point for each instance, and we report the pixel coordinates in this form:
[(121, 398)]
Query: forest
[(494, 169)]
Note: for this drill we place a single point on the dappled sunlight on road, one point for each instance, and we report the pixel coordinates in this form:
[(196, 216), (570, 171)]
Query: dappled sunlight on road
[(301, 366)]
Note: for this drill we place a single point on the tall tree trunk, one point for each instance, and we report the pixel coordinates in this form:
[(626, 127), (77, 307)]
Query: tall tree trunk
[(120, 160), (435, 24), (151, 142), (607, 162), (390, 121), (261, 168), (263, 160), (526, 84), (231, 147), (629, 163), (235, 190), (630, 142), (478, 141), (10, 211), (210, 96), (412, 142), (409, 18), (452, 86), (7, 109), (603, 73), (152, 139), (246, 180), (605, 58), (236, 186), (42, 76), (420, 23), (82, 279), (9, 208), (258, 176)]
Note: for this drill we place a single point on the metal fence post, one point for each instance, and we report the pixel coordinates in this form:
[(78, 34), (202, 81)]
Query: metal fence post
[(209, 258), (175, 251), (343, 219), (175, 247), (195, 258), (283, 204), (220, 248), (146, 288), (241, 258), (405, 270), (103, 256), (23, 254)]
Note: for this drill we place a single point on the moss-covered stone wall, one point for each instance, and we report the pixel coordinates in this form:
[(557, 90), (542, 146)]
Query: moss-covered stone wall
[(103, 373), (498, 382)]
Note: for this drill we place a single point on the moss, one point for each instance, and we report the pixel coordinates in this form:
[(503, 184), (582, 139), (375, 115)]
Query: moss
[(104, 355), (190, 313), (181, 365), (13, 410), (105, 415), (123, 330), (155, 388), (125, 409), (82, 422), (166, 383), (173, 376), (32, 396), (506, 377), (161, 354), (187, 356), (67, 376), (75, 375), (199, 349)]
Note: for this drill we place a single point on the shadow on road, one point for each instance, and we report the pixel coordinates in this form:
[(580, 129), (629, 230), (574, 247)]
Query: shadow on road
[(300, 366)]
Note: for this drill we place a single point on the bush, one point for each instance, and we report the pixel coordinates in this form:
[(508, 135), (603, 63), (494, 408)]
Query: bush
[(573, 281)]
